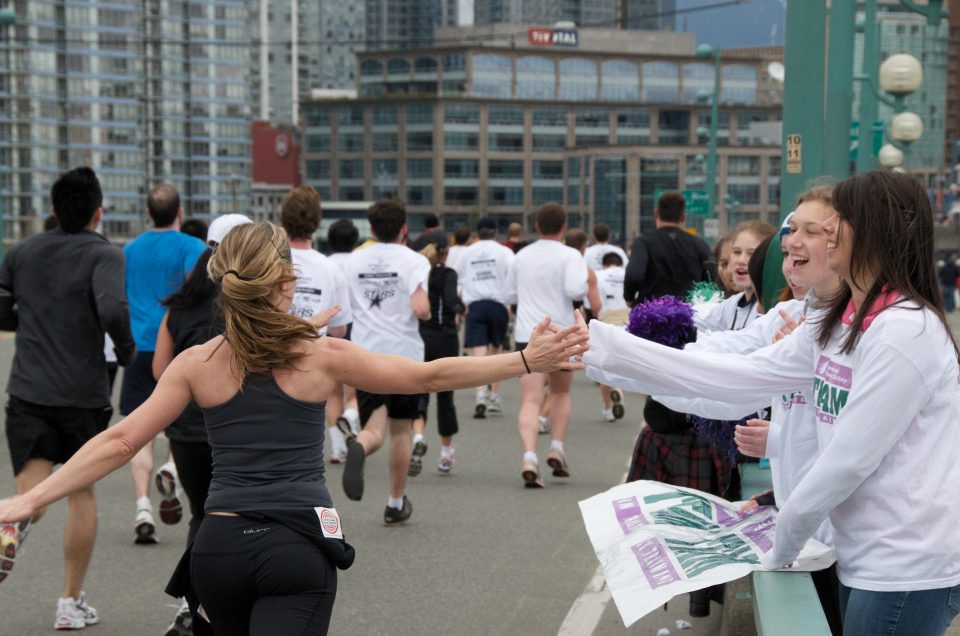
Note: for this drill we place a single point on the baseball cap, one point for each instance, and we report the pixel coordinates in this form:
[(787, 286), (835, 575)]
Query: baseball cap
[(221, 225)]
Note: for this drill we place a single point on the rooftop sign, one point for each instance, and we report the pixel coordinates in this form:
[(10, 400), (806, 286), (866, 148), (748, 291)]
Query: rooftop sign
[(553, 37)]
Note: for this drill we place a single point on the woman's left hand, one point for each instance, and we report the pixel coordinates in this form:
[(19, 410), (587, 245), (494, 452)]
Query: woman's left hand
[(551, 349), (321, 318), (16, 508)]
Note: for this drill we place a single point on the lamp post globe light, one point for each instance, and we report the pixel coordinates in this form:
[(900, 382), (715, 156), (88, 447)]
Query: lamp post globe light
[(707, 52), (906, 127), (901, 75), (890, 156)]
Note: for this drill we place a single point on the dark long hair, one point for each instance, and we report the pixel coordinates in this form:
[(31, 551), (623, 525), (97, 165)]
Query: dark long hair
[(197, 288), (892, 225)]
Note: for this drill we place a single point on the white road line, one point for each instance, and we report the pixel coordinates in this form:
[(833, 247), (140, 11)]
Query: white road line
[(587, 609)]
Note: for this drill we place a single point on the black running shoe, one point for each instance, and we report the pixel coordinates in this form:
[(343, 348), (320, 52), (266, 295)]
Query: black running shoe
[(353, 470), (393, 516), (416, 458)]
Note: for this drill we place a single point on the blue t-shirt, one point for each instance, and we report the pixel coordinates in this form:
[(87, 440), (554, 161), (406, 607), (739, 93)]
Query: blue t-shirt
[(158, 262)]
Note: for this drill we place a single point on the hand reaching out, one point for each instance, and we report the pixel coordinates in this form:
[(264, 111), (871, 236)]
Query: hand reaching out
[(752, 439), (788, 327)]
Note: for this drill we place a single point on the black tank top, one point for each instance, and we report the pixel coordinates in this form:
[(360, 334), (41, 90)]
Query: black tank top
[(188, 327), (267, 450)]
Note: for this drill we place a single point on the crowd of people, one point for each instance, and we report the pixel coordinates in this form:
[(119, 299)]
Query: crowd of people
[(224, 331)]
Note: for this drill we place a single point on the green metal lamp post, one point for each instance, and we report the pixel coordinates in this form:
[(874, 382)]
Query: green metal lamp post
[(7, 18), (706, 52)]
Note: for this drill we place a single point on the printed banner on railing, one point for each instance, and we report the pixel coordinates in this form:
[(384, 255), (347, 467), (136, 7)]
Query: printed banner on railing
[(656, 541)]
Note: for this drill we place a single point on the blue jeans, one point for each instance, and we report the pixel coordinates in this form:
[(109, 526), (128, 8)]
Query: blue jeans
[(918, 613)]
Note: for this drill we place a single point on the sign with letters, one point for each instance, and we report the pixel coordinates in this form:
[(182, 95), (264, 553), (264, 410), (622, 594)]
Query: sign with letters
[(538, 36), (655, 541)]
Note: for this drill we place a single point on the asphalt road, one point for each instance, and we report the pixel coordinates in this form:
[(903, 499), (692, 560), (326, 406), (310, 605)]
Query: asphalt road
[(481, 554)]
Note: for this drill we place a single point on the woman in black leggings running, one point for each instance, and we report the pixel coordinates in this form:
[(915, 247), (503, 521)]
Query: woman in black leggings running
[(261, 561)]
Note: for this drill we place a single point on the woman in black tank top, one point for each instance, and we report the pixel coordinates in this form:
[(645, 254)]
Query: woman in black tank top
[(262, 389)]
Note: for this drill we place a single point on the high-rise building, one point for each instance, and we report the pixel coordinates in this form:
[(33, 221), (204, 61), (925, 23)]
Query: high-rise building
[(142, 92), (601, 13), (647, 15), (406, 23), (300, 46)]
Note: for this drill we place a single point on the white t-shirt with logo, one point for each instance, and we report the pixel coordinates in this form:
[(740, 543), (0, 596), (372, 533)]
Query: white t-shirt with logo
[(482, 271), (595, 253), (610, 288), (320, 285), (340, 259), (546, 277), (382, 279), (887, 416)]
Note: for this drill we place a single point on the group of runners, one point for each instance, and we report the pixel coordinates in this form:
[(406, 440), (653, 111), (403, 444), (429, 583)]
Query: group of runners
[(354, 343)]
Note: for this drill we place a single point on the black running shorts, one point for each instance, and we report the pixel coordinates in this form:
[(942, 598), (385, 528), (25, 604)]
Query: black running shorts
[(55, 433), (399, 407), (138, 382)]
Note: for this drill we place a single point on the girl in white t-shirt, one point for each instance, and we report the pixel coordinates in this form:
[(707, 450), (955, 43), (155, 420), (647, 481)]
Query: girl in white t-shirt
[(881, 367), (739, 310)]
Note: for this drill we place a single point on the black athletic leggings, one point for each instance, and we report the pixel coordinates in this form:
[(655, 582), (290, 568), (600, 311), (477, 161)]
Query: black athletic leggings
[(438, 346), (195, 469), (261, 578)]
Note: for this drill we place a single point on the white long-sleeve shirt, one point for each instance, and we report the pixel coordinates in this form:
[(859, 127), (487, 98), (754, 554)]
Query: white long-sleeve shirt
[(732, 314), (545, 279), (792, 439), (887, 473)]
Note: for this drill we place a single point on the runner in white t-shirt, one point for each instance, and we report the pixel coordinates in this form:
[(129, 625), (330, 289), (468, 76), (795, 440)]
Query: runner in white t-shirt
[(388, 294), (613, 311), (547, 276), (482, 272), (321, 296), (342, 237), (595, 253)]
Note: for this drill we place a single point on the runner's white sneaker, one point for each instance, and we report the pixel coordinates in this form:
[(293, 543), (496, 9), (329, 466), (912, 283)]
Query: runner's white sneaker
[(543, 424), (171, 508), (144, 527), (495, 406), (74, 614), (608, 415)]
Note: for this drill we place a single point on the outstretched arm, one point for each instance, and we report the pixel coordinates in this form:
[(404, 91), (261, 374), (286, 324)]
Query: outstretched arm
[(547, 351), (110, 449)]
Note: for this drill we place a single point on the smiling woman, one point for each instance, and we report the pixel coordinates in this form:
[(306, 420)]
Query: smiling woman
[(881, 367)]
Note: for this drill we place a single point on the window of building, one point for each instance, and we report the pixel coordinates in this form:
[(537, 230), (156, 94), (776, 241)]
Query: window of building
[(619, 81), (350, 116), (371, 69), (385, 115), (420, 114), (418, 140), (453, 63), (317, 116), (546, 194), (578, 79), (633, 126), (454, 113), (460, 195), (318, 143), (398, 66), (505, 116), (743, 166), (674, 127), (536, 78), (505, 195), (501, 169), (505, 142), (385, 141), (351, 193), (492, 76), (419, 195), (549, 170), (739, 84), (350, 142), (317, 169), (461, 140), (351, 169), (549, 143), (419, 169), (697, 78), (425, 65), (461, 168), (661, 82), (553, 117)]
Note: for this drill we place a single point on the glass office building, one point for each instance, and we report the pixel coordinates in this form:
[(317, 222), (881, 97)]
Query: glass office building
[(468, 131), (143, 93)]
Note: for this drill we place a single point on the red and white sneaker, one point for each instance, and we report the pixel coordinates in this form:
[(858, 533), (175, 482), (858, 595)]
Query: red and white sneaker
[(171, 509), (74, 613), (12, 536)]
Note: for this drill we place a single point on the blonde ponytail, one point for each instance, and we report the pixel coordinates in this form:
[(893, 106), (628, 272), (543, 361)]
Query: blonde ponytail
[(250, 264)]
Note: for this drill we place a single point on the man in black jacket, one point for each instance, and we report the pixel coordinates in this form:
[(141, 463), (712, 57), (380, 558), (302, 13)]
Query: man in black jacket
[(59, 290), (667, 261)]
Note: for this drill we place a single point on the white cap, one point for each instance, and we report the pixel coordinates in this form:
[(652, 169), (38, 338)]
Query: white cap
[(221, 225)]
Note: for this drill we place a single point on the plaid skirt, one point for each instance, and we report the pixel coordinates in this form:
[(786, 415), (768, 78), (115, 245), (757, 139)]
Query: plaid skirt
[(683, 459)]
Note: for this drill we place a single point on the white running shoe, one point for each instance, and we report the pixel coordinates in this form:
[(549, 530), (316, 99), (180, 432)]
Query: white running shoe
[(494, 405), (167, 480), (74, 614), (446, 462), (480, 406), (144, 527), (608, 415), (544, 424)]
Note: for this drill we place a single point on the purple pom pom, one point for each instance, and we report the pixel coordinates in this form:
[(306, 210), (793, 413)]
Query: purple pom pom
[(666, 320), (718, 434)]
